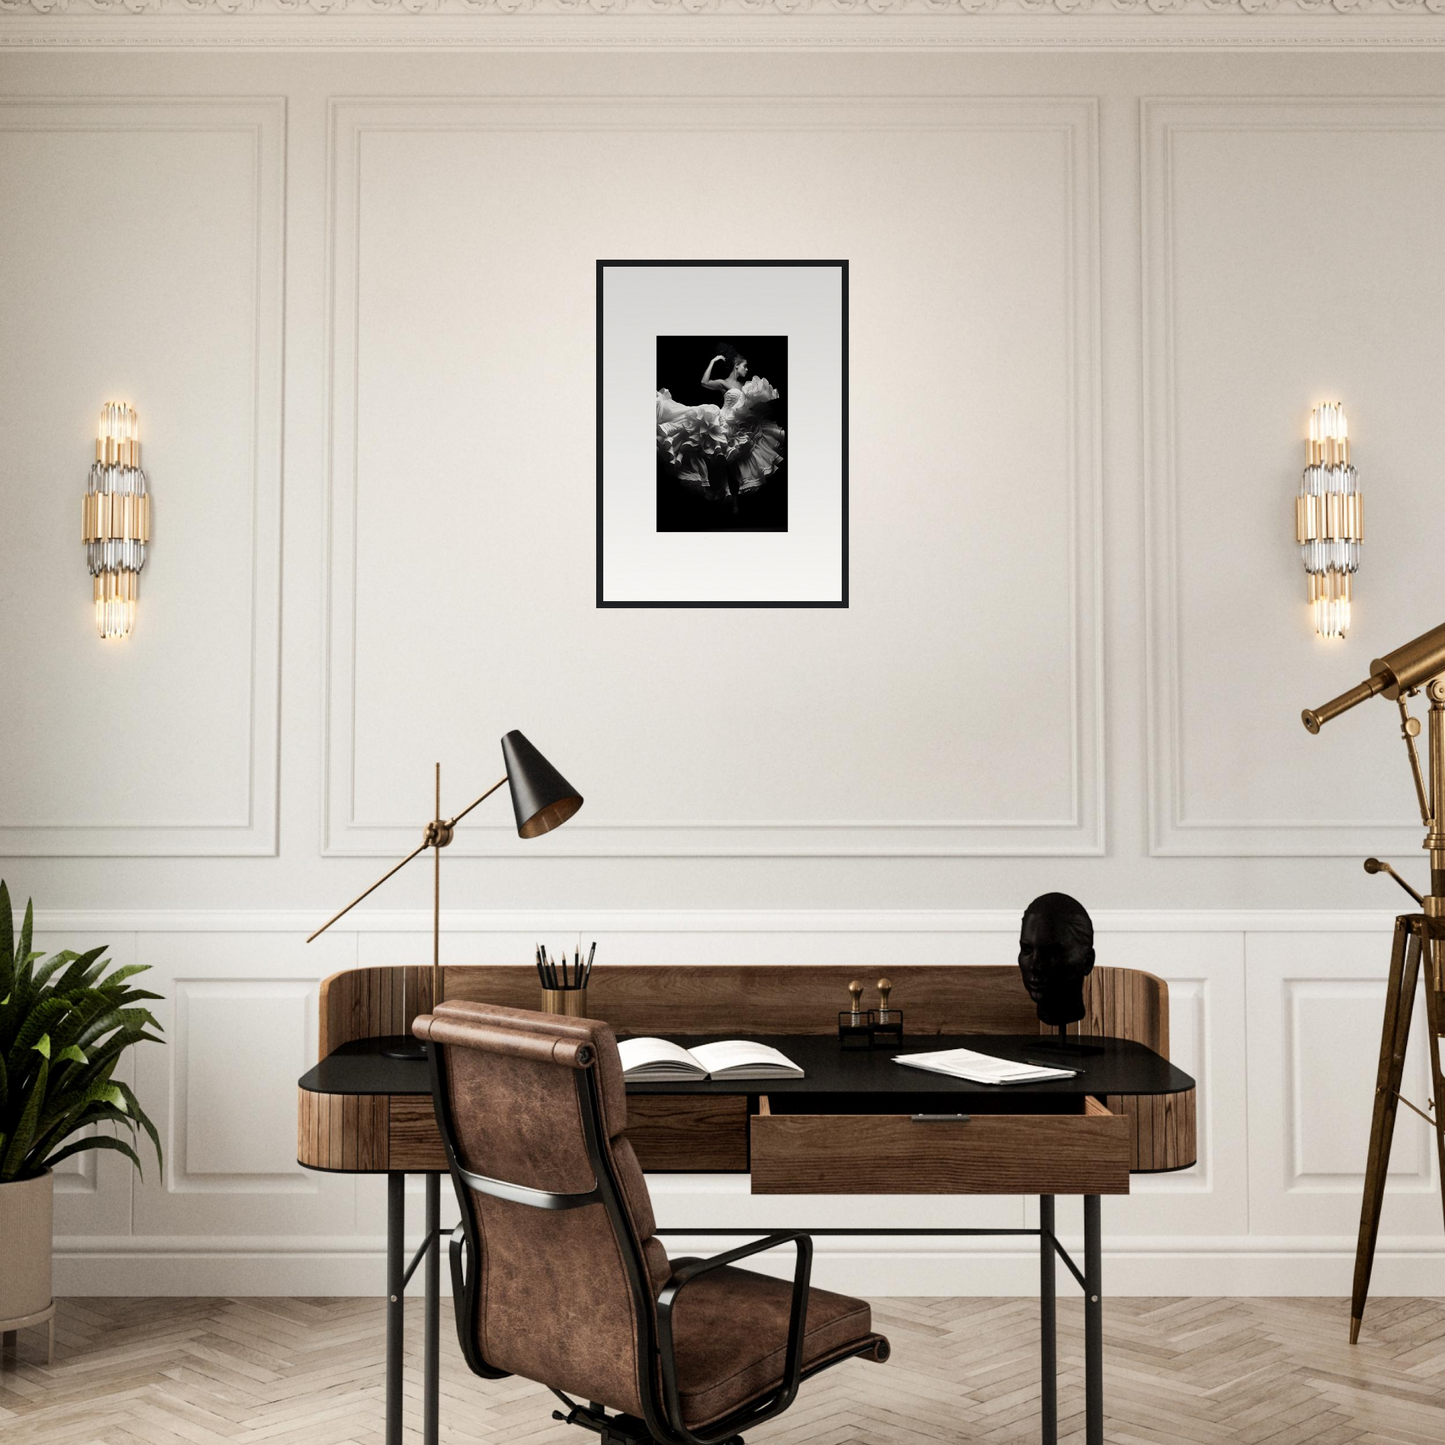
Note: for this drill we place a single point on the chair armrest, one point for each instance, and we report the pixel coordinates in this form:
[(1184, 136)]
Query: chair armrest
[(797, 1323)]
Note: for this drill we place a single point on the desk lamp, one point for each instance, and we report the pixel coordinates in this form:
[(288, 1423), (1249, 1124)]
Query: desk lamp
[(542, 799)]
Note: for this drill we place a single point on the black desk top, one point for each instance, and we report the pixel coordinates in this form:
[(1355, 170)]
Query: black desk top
[(1111, 1066)]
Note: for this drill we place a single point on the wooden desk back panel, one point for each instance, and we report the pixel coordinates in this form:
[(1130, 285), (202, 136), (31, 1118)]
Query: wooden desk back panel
[(1123, 1003), (1120, 1003)]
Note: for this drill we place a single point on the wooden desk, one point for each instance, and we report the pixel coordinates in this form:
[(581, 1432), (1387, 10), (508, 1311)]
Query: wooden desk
[(847, 1127)]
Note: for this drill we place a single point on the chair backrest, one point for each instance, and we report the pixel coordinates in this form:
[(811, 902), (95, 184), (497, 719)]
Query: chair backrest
[(532, 1108)]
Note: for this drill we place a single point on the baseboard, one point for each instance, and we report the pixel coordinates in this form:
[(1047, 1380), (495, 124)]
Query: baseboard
[(1145, 1267)]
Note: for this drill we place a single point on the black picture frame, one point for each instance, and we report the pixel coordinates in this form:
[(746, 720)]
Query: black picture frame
[(842, 599)]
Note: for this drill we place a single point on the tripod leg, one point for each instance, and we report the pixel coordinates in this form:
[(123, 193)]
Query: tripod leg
[(1399, 1006), (1435, 1017)]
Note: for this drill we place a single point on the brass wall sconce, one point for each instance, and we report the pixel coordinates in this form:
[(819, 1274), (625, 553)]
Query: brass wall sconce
[(116, 519), (1329, 519)]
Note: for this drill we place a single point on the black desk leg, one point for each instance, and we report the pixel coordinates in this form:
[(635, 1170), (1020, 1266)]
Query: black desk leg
[(1093, 1325), (395, 1299), (1048, 1331), (433, 1307)]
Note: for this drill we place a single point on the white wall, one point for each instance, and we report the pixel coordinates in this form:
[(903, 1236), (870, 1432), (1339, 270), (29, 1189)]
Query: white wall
[(1093, 297)]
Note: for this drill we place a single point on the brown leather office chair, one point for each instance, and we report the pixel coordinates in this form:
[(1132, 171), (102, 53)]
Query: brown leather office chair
[(556, 1272)]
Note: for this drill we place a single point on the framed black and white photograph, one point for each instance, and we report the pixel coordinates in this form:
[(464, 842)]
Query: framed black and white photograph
[(722, 433)]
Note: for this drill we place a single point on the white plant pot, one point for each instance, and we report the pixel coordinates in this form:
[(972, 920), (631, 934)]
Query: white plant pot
[(26, 1210)]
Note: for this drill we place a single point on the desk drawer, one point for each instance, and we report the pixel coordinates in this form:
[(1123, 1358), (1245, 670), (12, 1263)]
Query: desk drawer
[(682, 1132), (1082, 1151)]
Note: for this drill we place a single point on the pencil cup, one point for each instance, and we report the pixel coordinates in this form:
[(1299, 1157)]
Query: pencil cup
[(569, 1001)]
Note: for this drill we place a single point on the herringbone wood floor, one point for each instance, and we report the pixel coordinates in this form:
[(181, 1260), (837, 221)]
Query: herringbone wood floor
[(1206, 1371)]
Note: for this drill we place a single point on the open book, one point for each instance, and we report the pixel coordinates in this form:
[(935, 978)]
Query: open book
[(656, 1061), (981, 1068)]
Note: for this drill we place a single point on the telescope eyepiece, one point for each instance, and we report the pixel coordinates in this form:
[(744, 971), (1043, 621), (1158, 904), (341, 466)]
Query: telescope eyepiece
[(1311, 720)]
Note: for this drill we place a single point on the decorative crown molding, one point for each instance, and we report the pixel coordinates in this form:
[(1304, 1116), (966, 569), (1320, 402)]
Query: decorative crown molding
[(740, 8)]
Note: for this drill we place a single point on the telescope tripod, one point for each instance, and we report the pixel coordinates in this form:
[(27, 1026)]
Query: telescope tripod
[(1419, 939), (1413, 942)]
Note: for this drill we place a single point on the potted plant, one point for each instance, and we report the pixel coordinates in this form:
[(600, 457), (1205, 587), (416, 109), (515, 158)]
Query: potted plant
[(64, 1025)]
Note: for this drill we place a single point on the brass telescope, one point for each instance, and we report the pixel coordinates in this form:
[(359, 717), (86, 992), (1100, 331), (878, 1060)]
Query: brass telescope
[(1402, 670), (1419, 937)]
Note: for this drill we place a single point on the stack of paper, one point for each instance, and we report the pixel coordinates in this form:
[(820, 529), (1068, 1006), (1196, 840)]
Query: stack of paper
[(982, 1068)]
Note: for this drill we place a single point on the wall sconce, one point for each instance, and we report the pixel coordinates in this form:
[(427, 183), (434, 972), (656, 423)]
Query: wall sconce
[(1329, 519), (116, 519)]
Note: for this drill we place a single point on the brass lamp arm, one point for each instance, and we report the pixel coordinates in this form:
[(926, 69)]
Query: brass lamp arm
[(431, 840), (453, 823), (420, 848)]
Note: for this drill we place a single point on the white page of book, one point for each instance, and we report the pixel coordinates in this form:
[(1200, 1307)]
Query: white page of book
[(737, 1053), (639, 1053)]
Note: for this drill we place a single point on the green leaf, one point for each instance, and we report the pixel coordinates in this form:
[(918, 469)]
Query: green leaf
[(70, 1052), (129, 971), (14, 1157), (27, 931), (7, 940), (98, 1141), (128, 1018), (43, 1046), (46, 1015), (84, 969), (140, 1115)]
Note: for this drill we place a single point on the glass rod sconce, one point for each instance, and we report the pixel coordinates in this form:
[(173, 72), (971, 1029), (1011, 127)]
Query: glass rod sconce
[(116, 519), (1329, 519)]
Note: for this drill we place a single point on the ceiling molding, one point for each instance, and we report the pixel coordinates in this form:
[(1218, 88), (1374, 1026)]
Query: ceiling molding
[(723, 24), (869, 11)]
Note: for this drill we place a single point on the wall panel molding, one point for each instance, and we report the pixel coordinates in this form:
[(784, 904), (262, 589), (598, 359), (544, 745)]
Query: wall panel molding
[(1173, 831), (949, 25), (231, 1216), (263, 121), (1075, 122), (117, 923)]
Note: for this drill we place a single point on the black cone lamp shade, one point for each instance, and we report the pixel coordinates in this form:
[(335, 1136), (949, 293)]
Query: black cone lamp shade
[(542, 798)]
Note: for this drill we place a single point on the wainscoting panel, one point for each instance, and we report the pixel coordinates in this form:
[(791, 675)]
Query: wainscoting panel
[(240, 1020), (444, 474), (1252, 316), (1316, 1005), (165, 743), (1280, 1027)]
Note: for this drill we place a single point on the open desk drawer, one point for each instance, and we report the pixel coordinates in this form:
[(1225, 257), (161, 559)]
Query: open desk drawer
[(1077, 1147)]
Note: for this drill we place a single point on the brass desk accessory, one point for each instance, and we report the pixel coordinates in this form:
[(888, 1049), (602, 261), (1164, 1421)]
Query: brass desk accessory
[(1398, 676), (542, 799), (853, 1032), (885, 1024)]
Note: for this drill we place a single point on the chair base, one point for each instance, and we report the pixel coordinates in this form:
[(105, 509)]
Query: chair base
[(615, 1429)]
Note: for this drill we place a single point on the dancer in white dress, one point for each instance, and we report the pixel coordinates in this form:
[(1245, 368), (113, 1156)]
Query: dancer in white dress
[(722, 452)]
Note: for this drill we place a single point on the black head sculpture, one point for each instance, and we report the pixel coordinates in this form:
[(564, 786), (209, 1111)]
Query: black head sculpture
[(1056, 954)]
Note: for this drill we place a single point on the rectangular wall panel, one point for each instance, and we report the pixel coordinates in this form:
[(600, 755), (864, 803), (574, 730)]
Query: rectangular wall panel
[(240, 1018), (478, 477), (1316, 1005), (1256, 309), (149, 234)]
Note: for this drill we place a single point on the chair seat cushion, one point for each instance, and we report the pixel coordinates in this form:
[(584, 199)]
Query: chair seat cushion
[(730, 1335)]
